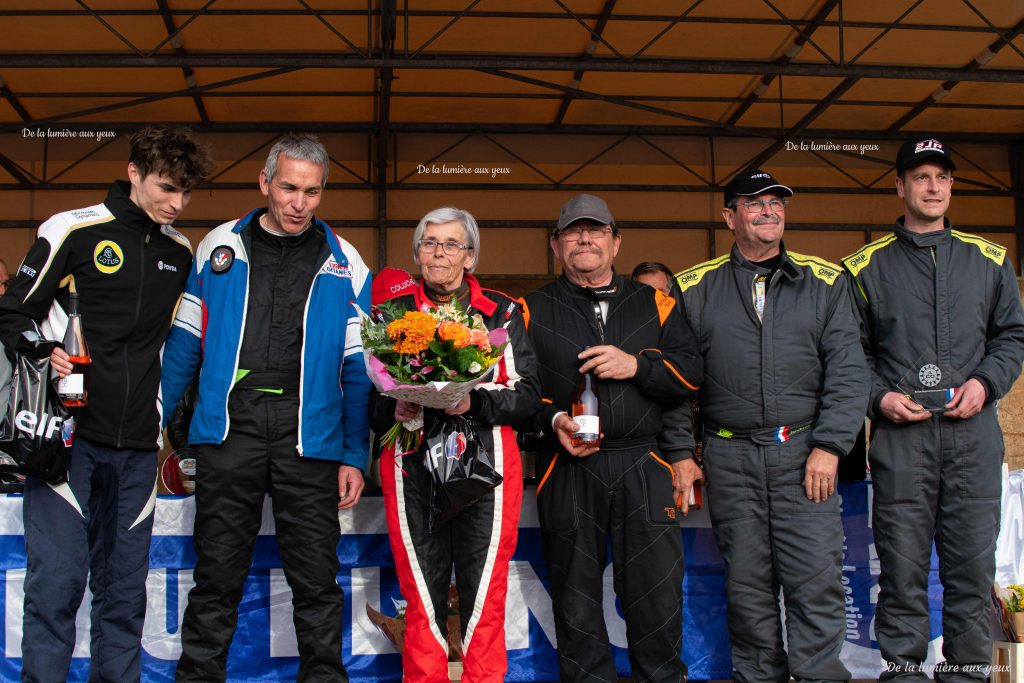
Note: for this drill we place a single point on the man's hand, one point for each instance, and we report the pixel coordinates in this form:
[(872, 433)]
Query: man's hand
[(684, 473), (820, 475), (460, 408), (608, 362), (61, 362), (565, 428), (405, 411), (899, 408), (350, 486), (967, 401)]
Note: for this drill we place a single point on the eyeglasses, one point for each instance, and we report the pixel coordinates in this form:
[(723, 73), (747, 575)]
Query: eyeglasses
[(451, 247), (574, 232), (758, 206)]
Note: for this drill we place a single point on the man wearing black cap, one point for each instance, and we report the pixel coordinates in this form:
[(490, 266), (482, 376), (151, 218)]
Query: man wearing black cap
[(784, 396), (944, 335), (635, 343)]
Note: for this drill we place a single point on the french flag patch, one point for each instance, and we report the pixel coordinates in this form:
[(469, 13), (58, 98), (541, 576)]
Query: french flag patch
[(782, 436)]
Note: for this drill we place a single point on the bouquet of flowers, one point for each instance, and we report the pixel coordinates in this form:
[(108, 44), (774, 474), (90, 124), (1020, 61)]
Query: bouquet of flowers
[(432, 357)]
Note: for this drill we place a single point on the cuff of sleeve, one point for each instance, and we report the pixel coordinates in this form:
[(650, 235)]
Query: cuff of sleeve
[(672, 457), (554, 416), (475, 403), (829, 448), (643, 369), (987, 386)]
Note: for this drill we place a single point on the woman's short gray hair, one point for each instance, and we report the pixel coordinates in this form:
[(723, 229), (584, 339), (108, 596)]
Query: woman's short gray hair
[(447, 214), (299, 148)]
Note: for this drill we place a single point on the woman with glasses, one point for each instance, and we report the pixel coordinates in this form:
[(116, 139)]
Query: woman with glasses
[(478, 543)]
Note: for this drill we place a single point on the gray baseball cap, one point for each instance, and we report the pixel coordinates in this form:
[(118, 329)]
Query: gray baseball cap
[(585, 206)]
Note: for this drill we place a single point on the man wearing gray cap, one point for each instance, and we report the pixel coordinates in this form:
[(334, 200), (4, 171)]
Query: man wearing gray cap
[(944, 336), (641, 355), (784, 396)]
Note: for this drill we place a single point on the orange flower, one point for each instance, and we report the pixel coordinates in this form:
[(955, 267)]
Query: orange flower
[(480, 339), (454, 332), (412, 333)]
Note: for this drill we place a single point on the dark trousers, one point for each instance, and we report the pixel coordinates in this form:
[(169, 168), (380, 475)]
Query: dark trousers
[(259, 455), (939, 479), (625, 496), (770, 535), (98, 524)]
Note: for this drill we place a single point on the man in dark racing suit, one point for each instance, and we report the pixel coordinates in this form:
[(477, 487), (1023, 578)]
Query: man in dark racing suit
[(944, 335), (784, 395), (636, 343), (129, 266)]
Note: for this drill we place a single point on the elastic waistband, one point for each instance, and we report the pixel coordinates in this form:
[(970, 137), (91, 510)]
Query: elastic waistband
[(766, 436), (627, 444), (269, 379)]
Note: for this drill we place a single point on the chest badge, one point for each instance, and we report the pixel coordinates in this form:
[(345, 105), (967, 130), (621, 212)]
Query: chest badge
[(221, 259), (108, 257)]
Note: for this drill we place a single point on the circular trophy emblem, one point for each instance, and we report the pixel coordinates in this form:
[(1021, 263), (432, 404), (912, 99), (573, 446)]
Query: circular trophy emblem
[(930, 375)]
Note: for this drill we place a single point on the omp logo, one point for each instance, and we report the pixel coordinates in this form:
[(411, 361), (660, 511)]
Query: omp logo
[(687, 277), (31, 272), (827, 272), (993, 251), (857, 260), (928, 146), (108, 257), (29, 422)]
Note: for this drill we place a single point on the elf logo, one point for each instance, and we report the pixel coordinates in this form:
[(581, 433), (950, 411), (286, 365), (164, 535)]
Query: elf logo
[(29, 422)]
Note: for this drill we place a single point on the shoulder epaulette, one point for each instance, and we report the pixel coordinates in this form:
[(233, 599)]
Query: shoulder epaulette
[(688, 278), (176, 236), (989, 250), (826, 271), (856, 261)]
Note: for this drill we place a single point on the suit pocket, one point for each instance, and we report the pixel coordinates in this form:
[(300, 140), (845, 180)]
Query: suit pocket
[(657, 486)]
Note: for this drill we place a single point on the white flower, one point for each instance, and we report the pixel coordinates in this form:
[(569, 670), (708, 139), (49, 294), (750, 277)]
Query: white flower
[(474, 367)]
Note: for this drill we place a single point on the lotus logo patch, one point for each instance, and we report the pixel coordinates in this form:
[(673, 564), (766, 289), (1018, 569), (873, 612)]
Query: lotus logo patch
[(108, 257), (338, 269), (221, 259), (455, 446)]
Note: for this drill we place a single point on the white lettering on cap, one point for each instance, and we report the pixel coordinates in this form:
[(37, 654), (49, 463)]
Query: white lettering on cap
[(928, 146)]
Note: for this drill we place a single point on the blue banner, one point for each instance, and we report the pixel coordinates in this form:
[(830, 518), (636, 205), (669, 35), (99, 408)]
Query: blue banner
[(264, 648)]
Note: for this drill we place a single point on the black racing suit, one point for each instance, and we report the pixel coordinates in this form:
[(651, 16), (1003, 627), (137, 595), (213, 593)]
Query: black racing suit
[(624, 491), (129, 273), (777, 384), (950, 300), (259, 456), (478, 543)]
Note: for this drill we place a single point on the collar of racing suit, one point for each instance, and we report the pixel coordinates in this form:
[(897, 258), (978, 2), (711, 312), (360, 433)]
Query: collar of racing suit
[(923, 240), (124, 209), (477, 299), (786, 266)]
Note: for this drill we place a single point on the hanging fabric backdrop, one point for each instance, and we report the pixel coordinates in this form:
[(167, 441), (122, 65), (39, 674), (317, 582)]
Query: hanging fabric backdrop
[(265, 649)]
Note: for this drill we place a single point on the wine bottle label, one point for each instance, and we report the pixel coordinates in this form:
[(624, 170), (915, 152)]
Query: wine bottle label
[(589, 424), (72, 386)]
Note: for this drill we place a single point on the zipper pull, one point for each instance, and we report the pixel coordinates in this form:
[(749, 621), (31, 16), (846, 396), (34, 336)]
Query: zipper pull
[(149, 233)]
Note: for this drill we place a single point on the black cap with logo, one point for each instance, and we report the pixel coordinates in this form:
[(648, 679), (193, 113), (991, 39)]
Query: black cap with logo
[(753, 182), (916, 151)]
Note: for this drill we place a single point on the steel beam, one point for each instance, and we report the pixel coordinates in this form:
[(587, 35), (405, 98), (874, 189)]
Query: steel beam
[(320, 60)]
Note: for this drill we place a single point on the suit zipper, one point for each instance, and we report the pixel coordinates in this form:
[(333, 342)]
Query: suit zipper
[(135, 322)]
